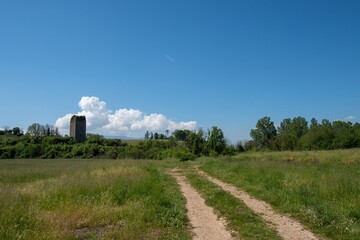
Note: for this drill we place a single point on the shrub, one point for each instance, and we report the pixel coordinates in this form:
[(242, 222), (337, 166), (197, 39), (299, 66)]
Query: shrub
[(186, 156)]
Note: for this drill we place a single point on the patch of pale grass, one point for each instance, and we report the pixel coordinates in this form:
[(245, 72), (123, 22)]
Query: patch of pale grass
[(116, 171), (320, 156), (69, 219)]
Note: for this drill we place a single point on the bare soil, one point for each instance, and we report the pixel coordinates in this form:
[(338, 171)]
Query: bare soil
[(286, 227), (206, 225)]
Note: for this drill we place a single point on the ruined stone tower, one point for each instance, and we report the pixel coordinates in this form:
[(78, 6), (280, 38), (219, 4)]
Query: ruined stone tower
[(78, 128)]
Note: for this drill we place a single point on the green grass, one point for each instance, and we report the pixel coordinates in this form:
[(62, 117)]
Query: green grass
[(82, 199), (243, 221), (321, 188), (118, 199)]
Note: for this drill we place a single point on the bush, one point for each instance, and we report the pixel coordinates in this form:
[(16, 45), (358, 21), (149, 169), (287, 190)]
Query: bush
[(186, 156), (111, 152), (7, 152)]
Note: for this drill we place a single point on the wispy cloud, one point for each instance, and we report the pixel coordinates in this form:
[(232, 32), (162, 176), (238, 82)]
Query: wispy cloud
[(129, 122), (349, 118), (169, 58)]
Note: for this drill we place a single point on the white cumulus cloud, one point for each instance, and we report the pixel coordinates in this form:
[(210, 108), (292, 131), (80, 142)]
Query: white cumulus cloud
[(129, 122)]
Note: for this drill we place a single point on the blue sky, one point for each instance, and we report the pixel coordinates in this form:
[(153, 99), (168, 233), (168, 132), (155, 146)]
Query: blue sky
[(223, 63)]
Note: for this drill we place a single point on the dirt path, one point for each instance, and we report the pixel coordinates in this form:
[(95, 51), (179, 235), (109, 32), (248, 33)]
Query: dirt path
[(206, 224), (285, 226)]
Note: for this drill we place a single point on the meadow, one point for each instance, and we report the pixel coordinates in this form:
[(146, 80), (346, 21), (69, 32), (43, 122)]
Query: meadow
[(320, 188), (137, 199), (89, 199)]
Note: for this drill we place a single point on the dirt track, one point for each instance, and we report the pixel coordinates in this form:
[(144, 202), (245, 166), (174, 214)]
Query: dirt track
[(286, 227), (205, 223)]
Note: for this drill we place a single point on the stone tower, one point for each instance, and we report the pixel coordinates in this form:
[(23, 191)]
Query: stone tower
[(78, 128)]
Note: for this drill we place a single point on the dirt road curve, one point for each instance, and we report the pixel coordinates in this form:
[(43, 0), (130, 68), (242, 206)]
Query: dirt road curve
[(286, 227), (206, 224)]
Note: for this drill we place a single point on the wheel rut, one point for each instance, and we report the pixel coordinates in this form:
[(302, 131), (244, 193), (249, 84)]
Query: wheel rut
[(206, 225), (286, 227)]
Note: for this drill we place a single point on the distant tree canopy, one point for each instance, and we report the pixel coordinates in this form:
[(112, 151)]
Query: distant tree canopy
[(216, 140), (181, 135), (198, 142), (297, 134), (156, 136), (264, 134), (43, 141), (15, 131), (36, 129)]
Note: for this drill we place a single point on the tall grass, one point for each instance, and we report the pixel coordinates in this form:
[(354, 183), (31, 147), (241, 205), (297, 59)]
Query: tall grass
[(82, 199), (320, 188)]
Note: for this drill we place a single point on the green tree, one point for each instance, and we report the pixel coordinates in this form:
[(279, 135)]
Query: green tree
[(239, 146), (181, 135), (290, 132), (195, 142), (16, 131), (344, 135), (287, 141), (356, 129), (299, 127), (313, 123), (156, 136), (95, 139), (264, 134), (296, 127), (319, 136), (216, 141), (49, 130), (147, 135), (285, 126)]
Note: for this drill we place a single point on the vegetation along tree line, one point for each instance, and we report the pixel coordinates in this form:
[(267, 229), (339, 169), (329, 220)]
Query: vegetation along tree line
[(298, 134), (44, 141)]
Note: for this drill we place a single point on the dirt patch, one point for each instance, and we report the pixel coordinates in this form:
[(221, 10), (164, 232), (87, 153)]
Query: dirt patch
[(202, 217), (284, 225), (95, 232), (89, 233)]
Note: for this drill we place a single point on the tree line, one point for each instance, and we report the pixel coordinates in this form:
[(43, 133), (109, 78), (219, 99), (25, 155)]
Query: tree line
[(35, 129), (298, 134), (207, 143), (156, 136), (43, 141)]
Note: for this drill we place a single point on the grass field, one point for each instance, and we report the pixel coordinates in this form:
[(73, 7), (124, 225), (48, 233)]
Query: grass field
[(82, 199), (117, 199), (321, 188)]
